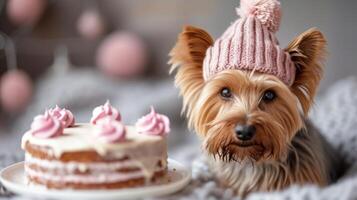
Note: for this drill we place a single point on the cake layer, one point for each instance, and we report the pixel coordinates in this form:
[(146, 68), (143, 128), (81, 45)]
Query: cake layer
[(58, 167), (90, 178), (44, 153), (81, 168), (105, 185)]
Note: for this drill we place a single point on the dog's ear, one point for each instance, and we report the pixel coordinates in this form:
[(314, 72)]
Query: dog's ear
[(308, 52), (187, 56)]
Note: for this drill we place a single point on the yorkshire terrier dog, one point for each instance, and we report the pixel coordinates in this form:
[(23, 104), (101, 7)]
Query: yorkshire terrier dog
[(248, 100)]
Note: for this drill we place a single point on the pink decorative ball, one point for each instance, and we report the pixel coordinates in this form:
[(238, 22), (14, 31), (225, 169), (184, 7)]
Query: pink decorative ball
[(122, 54), (25, 12), (15, 91), (267, 11), (91, 25)]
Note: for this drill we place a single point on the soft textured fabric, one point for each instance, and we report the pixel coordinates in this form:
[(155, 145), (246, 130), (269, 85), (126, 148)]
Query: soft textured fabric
[(250, 44)]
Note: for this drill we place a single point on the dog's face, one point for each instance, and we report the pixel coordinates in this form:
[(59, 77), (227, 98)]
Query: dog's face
[(244, 115), (241, 114)]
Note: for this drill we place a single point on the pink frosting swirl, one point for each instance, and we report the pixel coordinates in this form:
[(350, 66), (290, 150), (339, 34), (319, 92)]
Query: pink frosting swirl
[(104, 111), (110, 130), (46, 126), (65, 116), (153, 124)]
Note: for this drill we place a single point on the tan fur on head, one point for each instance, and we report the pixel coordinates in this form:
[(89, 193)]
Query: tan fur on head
[(308, 52), (188, 53), (276, 122)]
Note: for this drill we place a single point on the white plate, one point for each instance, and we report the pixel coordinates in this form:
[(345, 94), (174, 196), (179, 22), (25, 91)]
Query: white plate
[(178, 177)]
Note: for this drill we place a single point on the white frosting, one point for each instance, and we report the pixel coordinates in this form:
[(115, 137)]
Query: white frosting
[(82, 137), (143, 151)]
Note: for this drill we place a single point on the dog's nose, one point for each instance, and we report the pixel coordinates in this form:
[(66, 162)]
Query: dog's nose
[(245, 132)]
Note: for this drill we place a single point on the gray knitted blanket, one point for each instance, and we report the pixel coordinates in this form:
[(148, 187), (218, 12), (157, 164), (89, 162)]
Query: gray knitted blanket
[(335, 114)]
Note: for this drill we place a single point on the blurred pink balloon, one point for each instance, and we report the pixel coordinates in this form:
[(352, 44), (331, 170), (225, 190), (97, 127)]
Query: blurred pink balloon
[(90, 24), (122, 54), (25, 12), (15, 91)]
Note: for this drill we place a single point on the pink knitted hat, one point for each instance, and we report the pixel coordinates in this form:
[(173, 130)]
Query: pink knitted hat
[(250, 44)]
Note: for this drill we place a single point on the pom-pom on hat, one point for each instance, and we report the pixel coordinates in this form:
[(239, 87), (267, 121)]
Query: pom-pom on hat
[(250, 44)]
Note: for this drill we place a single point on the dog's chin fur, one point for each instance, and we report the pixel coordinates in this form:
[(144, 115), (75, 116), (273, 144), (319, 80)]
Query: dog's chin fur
[(285, 149), (309, 160)]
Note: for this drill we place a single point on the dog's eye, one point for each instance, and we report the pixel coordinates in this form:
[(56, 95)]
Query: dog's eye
[(269, 95), (226, 93)]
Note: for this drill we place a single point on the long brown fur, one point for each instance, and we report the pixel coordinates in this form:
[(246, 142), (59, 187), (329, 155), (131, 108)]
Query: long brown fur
[(286, 149)]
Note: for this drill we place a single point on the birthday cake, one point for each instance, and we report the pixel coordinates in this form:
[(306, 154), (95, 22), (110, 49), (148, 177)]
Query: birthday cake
[(101, 154)]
